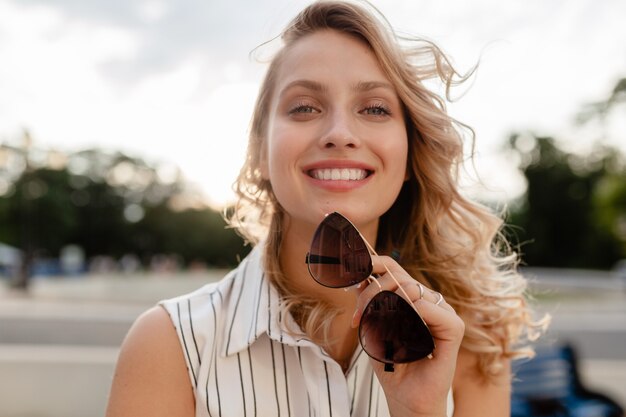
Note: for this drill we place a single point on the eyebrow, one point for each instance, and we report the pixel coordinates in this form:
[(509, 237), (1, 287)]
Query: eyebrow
[(361, 86), (364, 86), (308, 84)]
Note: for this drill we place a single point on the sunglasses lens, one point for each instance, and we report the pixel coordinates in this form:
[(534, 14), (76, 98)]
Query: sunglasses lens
[(339, 256), (391, 331)]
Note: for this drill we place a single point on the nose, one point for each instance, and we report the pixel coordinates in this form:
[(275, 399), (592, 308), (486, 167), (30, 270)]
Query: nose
[(339, 132)]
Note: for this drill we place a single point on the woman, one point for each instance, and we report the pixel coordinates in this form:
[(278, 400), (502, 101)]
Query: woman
[(343, 123)]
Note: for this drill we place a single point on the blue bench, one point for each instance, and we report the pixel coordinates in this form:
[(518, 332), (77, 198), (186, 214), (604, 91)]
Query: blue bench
[(548, 385)]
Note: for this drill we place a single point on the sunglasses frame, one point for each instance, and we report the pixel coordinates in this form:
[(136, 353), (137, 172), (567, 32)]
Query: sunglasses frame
[(315, 259)]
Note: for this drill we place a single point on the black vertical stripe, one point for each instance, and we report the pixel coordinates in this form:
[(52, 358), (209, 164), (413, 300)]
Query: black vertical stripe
[(286, 381), (217, 391), (308, 397), (193, 333), (269, 311), (275, 382), (369, 404), (182, 332), (253, 324), (280, 320), (214, 357), (356, 375), (252, 380), (233, 319), (377, 399), (243, 390), (330, 403)]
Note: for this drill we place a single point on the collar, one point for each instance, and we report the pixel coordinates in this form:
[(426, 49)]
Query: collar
[(251, 305)]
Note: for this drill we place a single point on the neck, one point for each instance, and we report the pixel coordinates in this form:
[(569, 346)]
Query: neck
[(342, 338), (295, 244)]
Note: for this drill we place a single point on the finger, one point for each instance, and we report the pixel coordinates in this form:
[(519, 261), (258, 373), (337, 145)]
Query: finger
[(392, 276), (439, 301), (406, 287), (383, 264), (446, 327), (388, 268)]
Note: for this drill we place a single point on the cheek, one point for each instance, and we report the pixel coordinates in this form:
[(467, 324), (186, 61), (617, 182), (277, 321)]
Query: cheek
[(398, 153), (284, 144), (272, 149), (279, 156)]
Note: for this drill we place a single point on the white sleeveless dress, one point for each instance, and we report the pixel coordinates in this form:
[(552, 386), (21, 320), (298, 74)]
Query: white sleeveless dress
[(243, 362)]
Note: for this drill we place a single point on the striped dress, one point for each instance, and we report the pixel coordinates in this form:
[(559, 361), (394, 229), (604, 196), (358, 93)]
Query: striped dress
[(242, 360)]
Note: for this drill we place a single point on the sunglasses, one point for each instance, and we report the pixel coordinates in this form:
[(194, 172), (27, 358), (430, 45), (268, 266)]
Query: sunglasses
[(391, 330)]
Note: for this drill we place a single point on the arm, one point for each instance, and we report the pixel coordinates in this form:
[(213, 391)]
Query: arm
[(151, 375), (473, 396)]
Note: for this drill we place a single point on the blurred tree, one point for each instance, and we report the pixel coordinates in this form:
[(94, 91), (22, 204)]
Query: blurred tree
[(198, 235), (571, 213), (108, 204), (609, 207), (574, 211), (39, 216), (598, 111), (99, 212)]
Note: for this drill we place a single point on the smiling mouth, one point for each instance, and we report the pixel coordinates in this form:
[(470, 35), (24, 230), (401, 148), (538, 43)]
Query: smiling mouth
[(339, 174)]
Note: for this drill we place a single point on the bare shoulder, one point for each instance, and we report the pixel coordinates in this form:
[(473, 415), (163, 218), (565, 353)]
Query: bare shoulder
[(151, 376), (476, 396)]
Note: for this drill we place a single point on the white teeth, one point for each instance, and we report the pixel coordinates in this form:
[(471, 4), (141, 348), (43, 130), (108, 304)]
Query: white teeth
[(336, 174)]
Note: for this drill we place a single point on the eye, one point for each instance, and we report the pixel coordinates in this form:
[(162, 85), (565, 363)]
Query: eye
[(378, 110), (302, 109)]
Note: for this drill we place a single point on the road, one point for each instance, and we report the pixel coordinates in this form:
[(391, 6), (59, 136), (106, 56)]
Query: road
[(596, 325), (100, 310), (73, 329), (596, 335)]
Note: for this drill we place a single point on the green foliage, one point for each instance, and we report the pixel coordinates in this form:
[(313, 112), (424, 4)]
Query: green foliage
[(197, 235), (39, 213), (108, 204), (574, 209), (600, 110)]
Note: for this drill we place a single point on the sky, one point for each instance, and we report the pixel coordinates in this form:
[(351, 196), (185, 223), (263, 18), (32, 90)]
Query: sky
[(174, 82)]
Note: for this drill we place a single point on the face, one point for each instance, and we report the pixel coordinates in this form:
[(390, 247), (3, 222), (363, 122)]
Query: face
[(336, 138)]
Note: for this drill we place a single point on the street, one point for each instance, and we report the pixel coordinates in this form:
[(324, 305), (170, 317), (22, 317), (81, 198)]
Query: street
[(72, 330)]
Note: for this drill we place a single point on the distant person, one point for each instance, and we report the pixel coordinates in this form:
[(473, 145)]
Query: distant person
[(347, 148)]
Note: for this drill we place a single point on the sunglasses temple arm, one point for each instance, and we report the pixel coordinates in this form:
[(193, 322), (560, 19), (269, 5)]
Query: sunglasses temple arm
[(406, 296)]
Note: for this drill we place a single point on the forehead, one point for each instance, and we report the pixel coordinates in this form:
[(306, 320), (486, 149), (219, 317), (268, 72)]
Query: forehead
[(329, 56)]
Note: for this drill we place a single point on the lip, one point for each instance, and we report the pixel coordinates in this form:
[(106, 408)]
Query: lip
[(337, 163)]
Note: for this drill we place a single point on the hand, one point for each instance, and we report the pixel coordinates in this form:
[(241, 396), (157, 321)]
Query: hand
[(419, 388)]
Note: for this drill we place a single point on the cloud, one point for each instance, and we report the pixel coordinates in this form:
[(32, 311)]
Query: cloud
[(169, 32), (172, 78)]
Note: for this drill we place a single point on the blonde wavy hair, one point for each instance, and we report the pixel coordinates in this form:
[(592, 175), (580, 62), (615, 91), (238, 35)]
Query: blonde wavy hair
[(444, 240)]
